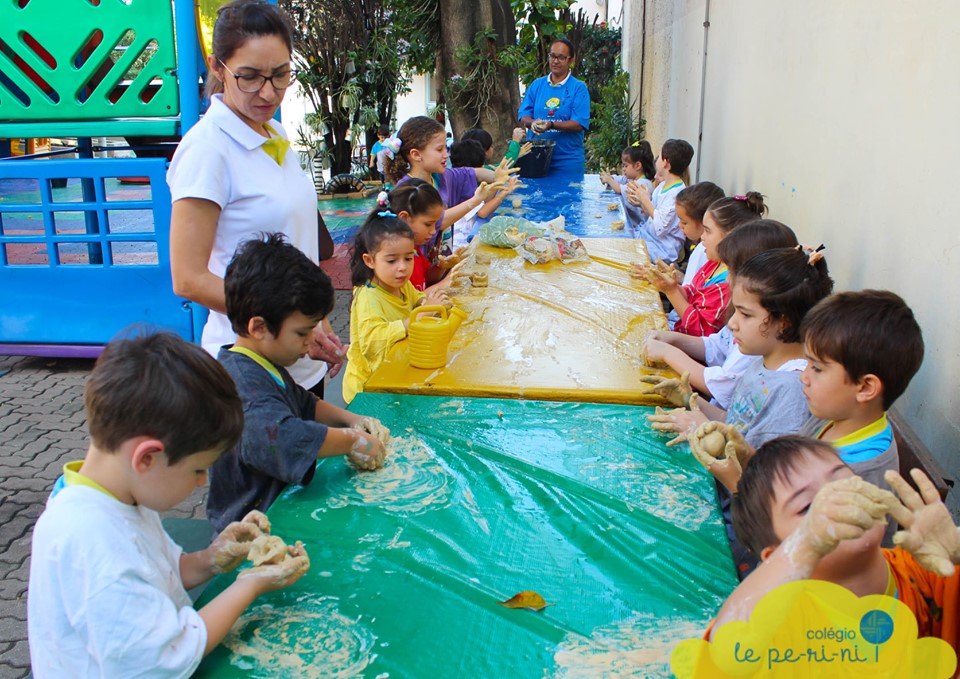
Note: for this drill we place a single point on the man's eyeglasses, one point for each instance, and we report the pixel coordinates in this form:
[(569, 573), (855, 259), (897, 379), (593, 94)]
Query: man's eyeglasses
[(254, 82), (558, 57)]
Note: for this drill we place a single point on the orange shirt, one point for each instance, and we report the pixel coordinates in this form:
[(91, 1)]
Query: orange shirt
[(934, 600)]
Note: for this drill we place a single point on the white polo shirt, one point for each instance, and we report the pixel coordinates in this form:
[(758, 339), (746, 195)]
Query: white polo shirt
[(220, 160)]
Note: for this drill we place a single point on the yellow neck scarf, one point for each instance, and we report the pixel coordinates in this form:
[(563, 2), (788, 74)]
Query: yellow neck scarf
[(276, 146)]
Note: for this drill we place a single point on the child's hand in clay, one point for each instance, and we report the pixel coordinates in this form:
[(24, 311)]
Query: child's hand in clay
[(722, 450), (928, 530), (654, 352), (638, 271), (512, 184), (606, 178), (504, 171), (518, 134), (676, 391), (259, 519), (270, 577), (367, 452), (636, 192), (678, 421), (230, 548), (375, 428), (525, 149), (841, 510), (664, 281), (436, 297)]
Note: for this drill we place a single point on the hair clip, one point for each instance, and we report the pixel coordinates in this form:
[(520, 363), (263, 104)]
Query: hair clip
[(814, 254), (385, 213), (636, 143), (392, 147), (382, 198), (739, 197)]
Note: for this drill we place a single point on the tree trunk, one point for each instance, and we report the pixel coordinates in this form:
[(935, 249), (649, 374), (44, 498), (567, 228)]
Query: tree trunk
[(460, 21)]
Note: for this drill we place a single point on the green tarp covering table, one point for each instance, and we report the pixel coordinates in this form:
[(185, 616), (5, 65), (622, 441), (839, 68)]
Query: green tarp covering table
[(483, 499)]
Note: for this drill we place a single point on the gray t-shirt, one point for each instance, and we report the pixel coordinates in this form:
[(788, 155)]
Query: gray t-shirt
[(768, 403), (279, 445)]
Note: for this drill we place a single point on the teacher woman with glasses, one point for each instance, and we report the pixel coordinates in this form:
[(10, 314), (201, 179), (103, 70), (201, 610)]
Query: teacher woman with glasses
[(557, 107), (234, 176)]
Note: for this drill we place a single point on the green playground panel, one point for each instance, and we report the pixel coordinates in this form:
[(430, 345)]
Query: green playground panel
[(54, 75), (483, 499)]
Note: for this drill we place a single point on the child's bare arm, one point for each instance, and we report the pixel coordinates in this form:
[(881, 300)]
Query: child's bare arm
[(333, 416), (929, 532), (657, 351), (223, 611), (362, 449), (688, 344), (841, 510)]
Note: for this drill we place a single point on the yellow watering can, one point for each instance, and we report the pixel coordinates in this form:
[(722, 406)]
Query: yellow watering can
[(429, 335)]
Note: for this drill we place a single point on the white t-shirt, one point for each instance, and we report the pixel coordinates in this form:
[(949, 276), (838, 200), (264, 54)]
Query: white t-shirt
[(661, 232), (105, 597), (725, 365), (220, 160)]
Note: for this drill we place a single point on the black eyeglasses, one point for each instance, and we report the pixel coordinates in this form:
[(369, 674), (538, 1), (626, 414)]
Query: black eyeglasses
[(558, 57), (254, 82)]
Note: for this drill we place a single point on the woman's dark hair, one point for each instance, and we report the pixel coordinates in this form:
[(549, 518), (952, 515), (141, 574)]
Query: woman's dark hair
[(467, 153), (642, 152), (732, 211), (415, 197), (240, 20), (751, 239), (480, 135), (788, 282), (416, 133), (380, 226), (678, 153), (697, 198), (564, 41)]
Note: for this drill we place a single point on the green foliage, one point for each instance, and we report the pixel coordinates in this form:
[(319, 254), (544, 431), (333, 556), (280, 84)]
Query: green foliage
[(613, 124), (478, 82)]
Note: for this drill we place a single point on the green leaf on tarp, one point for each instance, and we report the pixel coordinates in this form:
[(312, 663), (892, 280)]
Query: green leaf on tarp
[(526, 599)]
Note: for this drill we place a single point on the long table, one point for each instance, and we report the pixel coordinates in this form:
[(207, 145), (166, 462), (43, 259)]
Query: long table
[(483, 499), (555, 331)]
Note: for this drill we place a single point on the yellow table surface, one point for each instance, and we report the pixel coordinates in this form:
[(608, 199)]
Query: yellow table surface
[(561, 332)]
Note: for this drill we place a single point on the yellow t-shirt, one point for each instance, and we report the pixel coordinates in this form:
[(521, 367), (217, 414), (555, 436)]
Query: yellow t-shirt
[(376, 324)]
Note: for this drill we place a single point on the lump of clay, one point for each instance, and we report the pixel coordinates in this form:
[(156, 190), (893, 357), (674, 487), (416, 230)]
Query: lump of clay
[(479, 279), (267, 549), (713, 444), (375, 428), (613, 206), (616, 225), (517, 202), (482, 257)]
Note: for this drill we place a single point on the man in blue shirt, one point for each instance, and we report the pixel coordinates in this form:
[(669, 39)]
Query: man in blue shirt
[(557, 107)]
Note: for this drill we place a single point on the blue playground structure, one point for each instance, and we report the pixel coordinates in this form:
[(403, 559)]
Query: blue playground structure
[(84, 241)]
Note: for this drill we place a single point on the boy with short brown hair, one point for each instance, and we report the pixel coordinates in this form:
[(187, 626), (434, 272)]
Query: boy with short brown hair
[(107, 594)]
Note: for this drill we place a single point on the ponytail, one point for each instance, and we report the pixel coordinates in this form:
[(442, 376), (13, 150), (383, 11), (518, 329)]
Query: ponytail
[(380, 225), (416, 133)]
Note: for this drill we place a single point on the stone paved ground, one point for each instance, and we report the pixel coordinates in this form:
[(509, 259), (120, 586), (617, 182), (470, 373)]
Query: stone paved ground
[(42, 426)]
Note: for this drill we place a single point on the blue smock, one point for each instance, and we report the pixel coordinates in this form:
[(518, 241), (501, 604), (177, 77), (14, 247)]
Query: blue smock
[(567, 101)]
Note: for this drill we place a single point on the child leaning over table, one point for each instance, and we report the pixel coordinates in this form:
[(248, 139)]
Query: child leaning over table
[(107, 594), (275, 297), (807, 516)]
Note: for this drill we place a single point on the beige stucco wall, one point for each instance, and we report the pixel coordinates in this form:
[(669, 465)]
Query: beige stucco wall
[(845, 114)]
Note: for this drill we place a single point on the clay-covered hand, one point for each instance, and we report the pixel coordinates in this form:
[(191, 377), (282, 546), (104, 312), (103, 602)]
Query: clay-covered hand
[(928, 530), (366, 452), (539, 126), (525, 149), (638, 271), (512, 184), (437, 297), (676, 391), (722, 450), (273, 576), (654, 353), (606, 178), (259, 519), (487, 190), (230, 548), (679, 421), (503, 171), (841, 510), (375, 428), (636, 193), (663, 281), (518, 134)]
